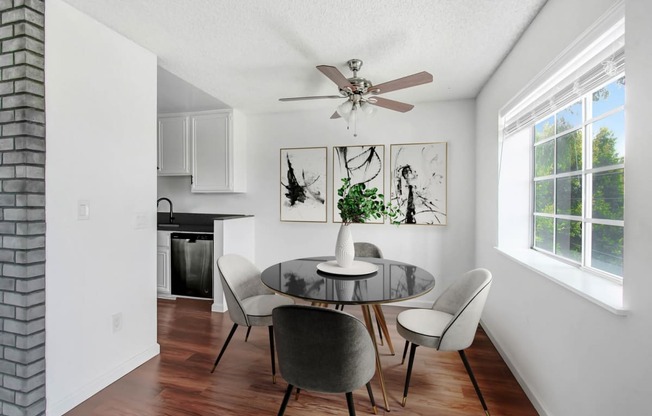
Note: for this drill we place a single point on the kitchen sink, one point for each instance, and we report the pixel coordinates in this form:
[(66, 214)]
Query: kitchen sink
[(168, 225)]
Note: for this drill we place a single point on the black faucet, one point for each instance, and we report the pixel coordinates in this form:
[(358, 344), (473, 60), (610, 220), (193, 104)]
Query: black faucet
[(169, 202)]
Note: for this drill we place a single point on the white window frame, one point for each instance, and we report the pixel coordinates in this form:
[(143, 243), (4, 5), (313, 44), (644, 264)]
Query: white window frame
[(586, 174)]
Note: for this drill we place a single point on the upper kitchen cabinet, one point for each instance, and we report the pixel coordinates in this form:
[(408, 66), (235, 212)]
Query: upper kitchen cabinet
[(173, 145), (218, 143)]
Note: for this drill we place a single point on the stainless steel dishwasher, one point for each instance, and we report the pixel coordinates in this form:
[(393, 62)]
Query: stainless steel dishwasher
[(192, 265)]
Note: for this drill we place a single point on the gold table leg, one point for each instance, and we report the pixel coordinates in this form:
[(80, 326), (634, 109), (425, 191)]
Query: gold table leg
[(383, 326), (379, 369)]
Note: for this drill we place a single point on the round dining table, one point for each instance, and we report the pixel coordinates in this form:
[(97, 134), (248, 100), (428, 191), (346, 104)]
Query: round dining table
[(370, 283)]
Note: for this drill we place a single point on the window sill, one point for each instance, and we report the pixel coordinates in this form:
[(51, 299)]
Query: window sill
[(602, 292)]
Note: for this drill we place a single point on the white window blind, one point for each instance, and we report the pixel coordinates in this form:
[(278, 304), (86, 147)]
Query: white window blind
[(565, 95), (567, 91), (595, 57)]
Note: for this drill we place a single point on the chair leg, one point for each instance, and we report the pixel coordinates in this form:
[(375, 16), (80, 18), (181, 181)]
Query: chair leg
[(349, 402), (248, 331), (226, 343), (371, 398), (296, 397), (475, 383), (380, 332), (271, 349), (407, 343), (413, 349), (288, 392)]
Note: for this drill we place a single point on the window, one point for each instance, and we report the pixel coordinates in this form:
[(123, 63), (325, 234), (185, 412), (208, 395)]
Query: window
[(561, 167), (578, 180)]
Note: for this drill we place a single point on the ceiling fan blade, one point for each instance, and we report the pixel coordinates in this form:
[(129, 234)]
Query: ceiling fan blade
[(314, 97), (405, 82), (335, 75), (390, 104), (335, 115)]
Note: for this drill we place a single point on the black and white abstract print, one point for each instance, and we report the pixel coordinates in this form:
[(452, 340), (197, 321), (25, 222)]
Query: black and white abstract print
[(303, 184), (361, 164), (418, 181)]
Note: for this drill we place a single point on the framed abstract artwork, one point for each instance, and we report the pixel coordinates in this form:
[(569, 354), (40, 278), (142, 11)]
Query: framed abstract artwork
[(303, 184), (362, 164), (418, 180)]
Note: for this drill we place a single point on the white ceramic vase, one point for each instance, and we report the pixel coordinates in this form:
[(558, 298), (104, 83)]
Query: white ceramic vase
[(344, 249)]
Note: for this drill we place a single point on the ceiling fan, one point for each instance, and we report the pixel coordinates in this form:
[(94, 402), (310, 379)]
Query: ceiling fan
[(361, 94)]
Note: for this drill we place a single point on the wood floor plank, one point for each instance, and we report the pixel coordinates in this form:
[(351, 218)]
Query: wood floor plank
[(179, 382)]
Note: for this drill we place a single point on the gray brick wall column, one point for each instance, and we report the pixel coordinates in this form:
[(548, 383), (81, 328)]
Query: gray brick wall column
[(22, 207)]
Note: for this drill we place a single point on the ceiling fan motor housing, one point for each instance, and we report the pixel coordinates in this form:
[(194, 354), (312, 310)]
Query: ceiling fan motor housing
[(358, 85)]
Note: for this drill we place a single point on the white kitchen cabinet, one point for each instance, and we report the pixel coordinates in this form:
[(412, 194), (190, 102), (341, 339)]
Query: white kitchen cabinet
[(163, 283), (218, 142), (173, 145)]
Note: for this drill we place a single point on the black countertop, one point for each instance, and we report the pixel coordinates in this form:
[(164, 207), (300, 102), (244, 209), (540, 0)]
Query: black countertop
[(190, 222)]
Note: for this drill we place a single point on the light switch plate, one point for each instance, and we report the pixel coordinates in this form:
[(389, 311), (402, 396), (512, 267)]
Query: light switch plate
[(140, 220), (83, 209)]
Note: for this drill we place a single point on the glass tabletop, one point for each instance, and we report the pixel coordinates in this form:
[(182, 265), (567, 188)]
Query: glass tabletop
[(392, 282)]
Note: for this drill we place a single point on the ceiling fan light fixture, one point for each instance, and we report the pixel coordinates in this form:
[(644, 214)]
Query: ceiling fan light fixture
[(367, 108), (345, 108)]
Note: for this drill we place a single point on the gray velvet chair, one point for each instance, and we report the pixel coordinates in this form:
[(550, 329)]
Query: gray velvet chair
[(451, 323), (249, 301), (323, 350), (363, 249)]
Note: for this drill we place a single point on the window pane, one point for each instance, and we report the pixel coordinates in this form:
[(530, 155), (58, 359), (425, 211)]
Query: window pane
[(543, 227), (569, 118), (544, 159), (607, 248), (608, 97), (543, 196), (569, 195), (608, 194), (569, 152), (568, 239), (609, 140), (544, 129)]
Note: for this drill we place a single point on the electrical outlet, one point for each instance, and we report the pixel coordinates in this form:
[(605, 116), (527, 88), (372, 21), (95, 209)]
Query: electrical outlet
[(117, 322)]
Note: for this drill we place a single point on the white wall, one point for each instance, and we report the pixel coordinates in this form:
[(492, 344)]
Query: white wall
[(444, 251), (101, 147), (574, 357)]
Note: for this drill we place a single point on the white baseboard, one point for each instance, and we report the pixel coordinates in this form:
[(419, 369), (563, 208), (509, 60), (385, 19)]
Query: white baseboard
[(219, 307), (528, 392), (74, 399)]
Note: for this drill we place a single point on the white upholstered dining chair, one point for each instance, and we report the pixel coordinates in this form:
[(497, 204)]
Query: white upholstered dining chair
[(451, 323), (249, 301)]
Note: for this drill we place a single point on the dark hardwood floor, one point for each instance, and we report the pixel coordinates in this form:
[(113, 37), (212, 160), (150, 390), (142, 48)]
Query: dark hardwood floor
[(179, 382)]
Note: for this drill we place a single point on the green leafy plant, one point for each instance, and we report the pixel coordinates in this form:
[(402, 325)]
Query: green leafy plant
[(359, 204)]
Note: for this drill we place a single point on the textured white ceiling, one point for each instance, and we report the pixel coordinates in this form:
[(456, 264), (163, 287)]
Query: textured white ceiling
[(249, 53)]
